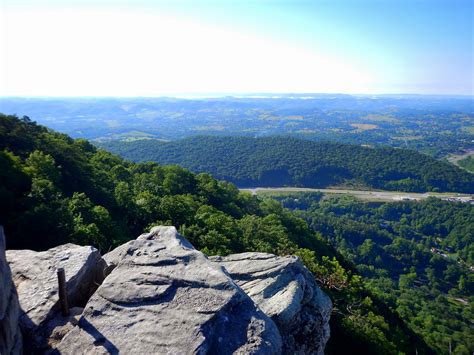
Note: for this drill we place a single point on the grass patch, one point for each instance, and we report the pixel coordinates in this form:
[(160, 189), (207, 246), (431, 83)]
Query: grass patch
[(364, 126)]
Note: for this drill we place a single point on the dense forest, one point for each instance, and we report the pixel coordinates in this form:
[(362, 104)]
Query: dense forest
[(55, 190), (285, 161), (416, 256)]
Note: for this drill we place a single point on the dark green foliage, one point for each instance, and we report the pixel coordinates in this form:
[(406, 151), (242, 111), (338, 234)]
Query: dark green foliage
[(60, 190), (284, 161), (415, 257)]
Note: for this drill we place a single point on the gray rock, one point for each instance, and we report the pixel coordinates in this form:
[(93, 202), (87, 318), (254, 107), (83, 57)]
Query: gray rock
[(35, 278), (287, 292), (56, 328), (163, 296), (10, 334)]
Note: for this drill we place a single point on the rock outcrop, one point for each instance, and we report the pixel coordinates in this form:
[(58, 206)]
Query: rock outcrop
[(286, 291), (10, 334), (160, 295), (35, 277), (163, 296)]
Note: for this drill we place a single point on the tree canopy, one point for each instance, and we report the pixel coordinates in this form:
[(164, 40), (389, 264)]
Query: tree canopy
[(286, 161), (415, 255), (55, 190)]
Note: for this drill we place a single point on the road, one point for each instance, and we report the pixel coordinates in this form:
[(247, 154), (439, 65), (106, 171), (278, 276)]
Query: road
[(454, 158), (368, 194)]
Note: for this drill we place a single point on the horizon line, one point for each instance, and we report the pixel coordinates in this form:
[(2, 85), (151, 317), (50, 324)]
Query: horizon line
[(210, 95)]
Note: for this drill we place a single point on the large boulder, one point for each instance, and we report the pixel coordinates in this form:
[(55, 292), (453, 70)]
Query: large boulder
[(287, 292), (35, 277), (10, 334), (163, 296)]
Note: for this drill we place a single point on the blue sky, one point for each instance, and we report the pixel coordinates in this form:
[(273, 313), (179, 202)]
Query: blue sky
[(148, 48)]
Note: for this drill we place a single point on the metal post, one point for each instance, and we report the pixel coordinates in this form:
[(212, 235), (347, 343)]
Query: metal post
[(62, 292)]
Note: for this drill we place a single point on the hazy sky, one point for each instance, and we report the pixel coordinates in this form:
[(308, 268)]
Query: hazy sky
[(148, 48)]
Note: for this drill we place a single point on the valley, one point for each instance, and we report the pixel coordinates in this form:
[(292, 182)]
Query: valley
[(387, 232), (285, 161), (210, 177), (57, 190), (434, 125), (399, 247)]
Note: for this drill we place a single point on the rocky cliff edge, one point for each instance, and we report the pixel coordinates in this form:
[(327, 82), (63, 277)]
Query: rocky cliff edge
[(157, 294)]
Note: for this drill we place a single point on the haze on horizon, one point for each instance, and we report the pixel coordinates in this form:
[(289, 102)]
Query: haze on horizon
[(153, 48)]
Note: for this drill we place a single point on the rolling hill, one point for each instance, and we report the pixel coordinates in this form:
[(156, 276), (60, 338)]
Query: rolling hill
[(285, 161), (57, 190)]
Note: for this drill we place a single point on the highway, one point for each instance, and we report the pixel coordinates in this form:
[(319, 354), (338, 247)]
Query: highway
[(368, 194)]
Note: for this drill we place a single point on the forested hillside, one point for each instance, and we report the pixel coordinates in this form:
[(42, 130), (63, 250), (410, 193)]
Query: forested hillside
[(285, 161), (434, 125), (416, 256), (55, 190)]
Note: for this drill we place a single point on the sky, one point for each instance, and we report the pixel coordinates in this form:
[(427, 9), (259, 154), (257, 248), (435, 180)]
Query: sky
[(177, 47)]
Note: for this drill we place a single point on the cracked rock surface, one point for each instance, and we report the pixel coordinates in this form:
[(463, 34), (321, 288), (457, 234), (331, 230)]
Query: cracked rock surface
[(163, 296), (35, 277), (287, 292)]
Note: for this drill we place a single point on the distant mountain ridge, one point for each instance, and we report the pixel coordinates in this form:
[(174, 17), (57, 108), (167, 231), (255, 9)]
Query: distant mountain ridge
[(434, 125), (285, 161)]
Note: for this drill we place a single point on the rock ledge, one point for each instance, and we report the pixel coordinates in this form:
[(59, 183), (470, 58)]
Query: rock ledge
[(163, 296), (287, 292)]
